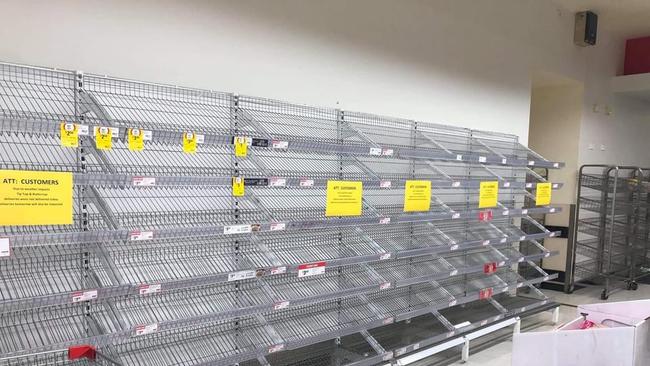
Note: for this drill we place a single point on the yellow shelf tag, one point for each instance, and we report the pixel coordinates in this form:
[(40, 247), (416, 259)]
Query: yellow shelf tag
[(488, 194), (69, 135), (136, 139), (35, 198), (417, 195), (241, 146), (103, 138), (543, 194), (343, 198), (189, 142), (238, 186)]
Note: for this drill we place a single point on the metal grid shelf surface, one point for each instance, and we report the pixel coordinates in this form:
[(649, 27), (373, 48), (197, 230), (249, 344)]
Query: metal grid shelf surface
[(181, 271)]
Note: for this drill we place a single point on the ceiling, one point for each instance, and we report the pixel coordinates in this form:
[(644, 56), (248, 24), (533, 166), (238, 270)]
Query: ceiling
[(629, 18)]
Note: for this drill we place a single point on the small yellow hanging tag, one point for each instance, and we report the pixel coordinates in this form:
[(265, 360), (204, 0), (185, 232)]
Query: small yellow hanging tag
[(136, 139), (69, 135), (237, 186), (189, 142), (103, 138), (543, 194), (241, 146)]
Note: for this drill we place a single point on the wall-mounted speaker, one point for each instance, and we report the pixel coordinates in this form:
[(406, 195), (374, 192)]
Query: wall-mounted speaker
[(586, 29)]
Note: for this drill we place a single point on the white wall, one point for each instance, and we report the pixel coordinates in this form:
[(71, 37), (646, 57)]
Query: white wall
[(459, 62)]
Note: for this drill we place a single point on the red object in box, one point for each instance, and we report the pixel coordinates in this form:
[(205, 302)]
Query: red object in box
[(82, 351), (637, 56)]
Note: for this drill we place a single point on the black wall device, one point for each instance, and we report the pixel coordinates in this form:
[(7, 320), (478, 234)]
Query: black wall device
[(586, 30)]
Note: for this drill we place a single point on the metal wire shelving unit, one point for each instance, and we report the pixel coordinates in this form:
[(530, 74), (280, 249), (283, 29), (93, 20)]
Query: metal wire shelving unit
[(165, 265), (611, 243)]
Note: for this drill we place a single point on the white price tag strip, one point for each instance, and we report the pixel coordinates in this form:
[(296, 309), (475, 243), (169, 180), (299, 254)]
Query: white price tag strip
[(375, 151), (385, 285), (455, 216), (384, 256), (200, 139), (84, 296), (279, 305), (277, 182), (482, 159), (459, 157), (278, 226), (387, 152), (306, 182), (276, 348), (278, 270), (384, 220), (146, 329), (150, 289), (311, 269), (5, 247), (237, 229), (144, 181), (278, 144), (385, 184), (241, 275), (83, 130), (140, 235)]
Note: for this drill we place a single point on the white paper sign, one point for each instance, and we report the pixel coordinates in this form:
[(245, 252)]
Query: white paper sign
[(144, 181), (241, 275), (84, 296), (150, 289), (237, 229), (141, 235), (5, 248)]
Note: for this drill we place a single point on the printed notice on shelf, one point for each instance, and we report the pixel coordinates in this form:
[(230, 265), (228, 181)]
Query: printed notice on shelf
[(241, 146), (238, 186), (5, 248), (35, 198), (237, 229), (543, 194), (488, 194), (241, 275), (144, 181), (69, 135), (311, 269), (103, 138), (136, 139), (189, 142), (343, 198), (417, 195), (138, 235), (146, 329), (84, 296), (150, 289)]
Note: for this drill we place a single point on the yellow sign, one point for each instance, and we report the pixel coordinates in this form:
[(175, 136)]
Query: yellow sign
[(69, 135), (417, 195), (136, 139), (189, 142), (488, 194), (103, 138), (343, 198), (241, 146), (35, 198), (543, 194), (238, 186)]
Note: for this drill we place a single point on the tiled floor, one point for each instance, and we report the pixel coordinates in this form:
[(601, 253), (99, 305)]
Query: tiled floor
[(501, 353)]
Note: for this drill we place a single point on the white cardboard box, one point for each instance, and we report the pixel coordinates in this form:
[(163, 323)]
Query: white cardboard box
[(625, 343)]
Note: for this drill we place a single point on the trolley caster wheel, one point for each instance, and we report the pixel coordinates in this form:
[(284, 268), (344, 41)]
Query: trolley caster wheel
[(633, 286), (603, 295)]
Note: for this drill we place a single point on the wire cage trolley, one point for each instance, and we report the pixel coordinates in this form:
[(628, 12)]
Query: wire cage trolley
[(611, 236), (161, 225)]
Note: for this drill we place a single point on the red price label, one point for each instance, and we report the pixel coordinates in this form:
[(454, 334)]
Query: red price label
[(490, 268), (485, 293), (485, 216)]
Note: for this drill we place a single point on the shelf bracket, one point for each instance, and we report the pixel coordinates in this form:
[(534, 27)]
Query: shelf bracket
[(498, 306), (433, 141), (446, 323), (246, 119), (373, 342)]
